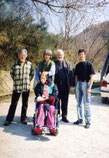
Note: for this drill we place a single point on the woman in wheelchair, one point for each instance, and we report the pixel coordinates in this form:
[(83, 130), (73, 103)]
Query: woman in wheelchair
[(46, 95)]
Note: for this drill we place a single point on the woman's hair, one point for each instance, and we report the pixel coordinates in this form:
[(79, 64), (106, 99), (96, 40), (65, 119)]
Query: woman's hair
[(47, 51)]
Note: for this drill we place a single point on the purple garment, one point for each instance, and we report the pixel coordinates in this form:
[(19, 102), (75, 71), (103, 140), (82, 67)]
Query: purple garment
[(50, 117)]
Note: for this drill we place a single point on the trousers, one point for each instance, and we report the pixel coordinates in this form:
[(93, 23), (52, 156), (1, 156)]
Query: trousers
[(14, 102), (50, 122), (83, 98), (63, 97)]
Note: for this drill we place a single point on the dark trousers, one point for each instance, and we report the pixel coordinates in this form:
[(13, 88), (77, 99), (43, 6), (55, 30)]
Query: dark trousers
[(14, 102), (63, 97)]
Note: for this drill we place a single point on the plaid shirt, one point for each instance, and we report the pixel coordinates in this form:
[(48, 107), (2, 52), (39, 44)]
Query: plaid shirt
[(21, 75)]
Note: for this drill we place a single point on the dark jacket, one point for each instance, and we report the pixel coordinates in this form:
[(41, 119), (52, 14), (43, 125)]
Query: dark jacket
[(53, 91), (68, 73)]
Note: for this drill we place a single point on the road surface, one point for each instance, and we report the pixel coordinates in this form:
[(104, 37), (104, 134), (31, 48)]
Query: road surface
[(16, 140)]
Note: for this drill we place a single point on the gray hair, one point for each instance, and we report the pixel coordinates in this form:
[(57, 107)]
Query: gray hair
[(48, 51), (60, 51), (22, 50)]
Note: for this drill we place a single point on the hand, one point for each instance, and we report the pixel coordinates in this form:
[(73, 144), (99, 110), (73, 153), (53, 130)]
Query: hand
[(70, 88), (39, 73), (39, 99), (88, 90), (36, 112), (45, 98), (55, 112)]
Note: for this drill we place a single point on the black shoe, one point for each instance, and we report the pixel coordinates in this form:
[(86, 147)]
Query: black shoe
[(65, 119), (24, 121), (78, 122), (7, 123), (87, 125)]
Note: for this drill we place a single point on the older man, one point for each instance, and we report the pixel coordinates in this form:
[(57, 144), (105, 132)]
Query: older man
[(22, 73), (64, 81)]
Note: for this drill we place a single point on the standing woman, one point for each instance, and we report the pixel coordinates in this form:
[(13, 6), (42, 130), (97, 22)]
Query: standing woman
[(47, 66)]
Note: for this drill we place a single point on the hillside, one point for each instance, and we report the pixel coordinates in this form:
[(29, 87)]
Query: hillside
[(95, 40)]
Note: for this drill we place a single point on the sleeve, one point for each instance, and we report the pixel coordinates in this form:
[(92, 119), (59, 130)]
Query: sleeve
[(37, 90), (71, 74), (92, 71), (76, 71), (37, 73), (73, 70), (55, 91), (52, 70), (31, 72)]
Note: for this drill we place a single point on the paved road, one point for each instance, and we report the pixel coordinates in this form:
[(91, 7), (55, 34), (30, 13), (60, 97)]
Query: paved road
[(73, 141)]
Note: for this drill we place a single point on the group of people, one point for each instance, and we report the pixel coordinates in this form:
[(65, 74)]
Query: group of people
[(53, 79)]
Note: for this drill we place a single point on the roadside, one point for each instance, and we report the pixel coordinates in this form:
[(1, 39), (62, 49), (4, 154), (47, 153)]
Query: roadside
[(6, 82)]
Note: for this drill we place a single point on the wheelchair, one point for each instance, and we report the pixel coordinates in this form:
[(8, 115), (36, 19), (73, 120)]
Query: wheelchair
[(42, 115)]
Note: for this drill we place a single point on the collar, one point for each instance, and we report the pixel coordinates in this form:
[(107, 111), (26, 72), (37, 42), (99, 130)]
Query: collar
[(20, 62), (49, 61)]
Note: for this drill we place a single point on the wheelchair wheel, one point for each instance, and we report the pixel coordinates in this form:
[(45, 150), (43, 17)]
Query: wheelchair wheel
[(32, 130), (56, 133)]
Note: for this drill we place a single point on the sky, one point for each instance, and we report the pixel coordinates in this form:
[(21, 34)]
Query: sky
[(56, 22), (92, 16)]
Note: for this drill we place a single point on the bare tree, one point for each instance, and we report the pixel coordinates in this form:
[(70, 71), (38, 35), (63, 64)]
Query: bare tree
[(94, 40), (73, 4)]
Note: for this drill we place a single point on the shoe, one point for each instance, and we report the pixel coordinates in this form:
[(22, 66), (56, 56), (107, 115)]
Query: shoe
[(7, 123), (87, 125), (78, 122), (65, 120), (52, 131), (24, 121), (37, 130)]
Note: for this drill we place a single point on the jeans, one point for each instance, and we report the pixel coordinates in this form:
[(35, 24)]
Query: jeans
[(83, 97)]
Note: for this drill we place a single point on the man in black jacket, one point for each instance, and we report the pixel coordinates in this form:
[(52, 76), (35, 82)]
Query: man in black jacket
[(64, 81)]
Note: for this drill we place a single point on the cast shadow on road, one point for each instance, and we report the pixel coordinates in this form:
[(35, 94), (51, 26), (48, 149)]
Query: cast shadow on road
[(19, 129), (96, 101), (70, 124)]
